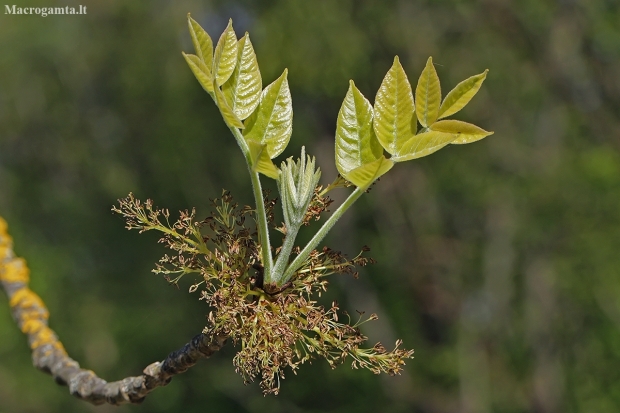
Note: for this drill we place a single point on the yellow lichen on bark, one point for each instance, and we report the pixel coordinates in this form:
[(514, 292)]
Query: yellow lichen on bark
[(28, 301), (5, 240), (15, 270), (40, 334), (28, 308)]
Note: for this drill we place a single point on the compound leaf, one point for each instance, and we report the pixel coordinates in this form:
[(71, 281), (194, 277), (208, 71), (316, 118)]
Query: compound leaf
[(242, 90), (261, 162), (428, 95), (201, 71), (202, 42), (356, 142), (394, 109), (271, 123), (225, 58), (423, 144), (465, 132), (461, 95)]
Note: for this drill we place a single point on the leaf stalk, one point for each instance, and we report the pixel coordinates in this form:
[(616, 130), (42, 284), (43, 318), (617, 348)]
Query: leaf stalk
[(321, 233), (261, 215)]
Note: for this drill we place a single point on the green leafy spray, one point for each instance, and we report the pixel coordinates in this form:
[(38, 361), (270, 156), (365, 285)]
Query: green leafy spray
[(262, 301)]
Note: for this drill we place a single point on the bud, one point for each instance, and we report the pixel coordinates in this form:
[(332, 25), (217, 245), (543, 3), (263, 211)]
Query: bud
[(296, 185)]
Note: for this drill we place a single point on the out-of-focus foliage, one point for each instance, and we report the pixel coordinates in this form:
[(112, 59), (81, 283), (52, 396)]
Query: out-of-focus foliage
[(498, 262)]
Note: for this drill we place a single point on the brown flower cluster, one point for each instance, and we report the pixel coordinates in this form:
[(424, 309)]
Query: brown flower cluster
[(273, 329), (318, 205)]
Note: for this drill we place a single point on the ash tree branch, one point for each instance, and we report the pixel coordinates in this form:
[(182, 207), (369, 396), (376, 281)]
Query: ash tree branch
[(49, 355)]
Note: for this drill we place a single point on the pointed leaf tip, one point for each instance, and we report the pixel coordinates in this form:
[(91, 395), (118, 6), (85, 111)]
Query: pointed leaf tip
[(202, 42), (225, 56), (462, 93), (428, 95), (463, 131), (394, 109)]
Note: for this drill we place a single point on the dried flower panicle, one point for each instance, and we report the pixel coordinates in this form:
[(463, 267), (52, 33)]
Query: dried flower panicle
[(272, 330), (198, 244), (318, 205)]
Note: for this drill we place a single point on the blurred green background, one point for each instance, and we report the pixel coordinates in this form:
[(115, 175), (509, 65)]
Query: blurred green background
[(498, 262)]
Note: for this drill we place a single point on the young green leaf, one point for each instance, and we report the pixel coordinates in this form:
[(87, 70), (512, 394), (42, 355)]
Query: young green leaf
[(261, 162), (356, 142), (465, 132), (272, 121), (423, 144), (394, 109), (202, 42), (461, 95), (242, 90), (225, 58), (366, 174), (200, 71), (227, 113), (428, 95)]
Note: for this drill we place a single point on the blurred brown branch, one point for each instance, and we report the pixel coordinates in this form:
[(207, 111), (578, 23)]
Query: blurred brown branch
[(49, 355)]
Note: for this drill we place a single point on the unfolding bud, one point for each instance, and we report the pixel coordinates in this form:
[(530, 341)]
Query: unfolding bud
[(296, 185)]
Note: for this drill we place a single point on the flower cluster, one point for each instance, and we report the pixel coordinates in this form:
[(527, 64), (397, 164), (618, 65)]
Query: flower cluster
[(273, 329)]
